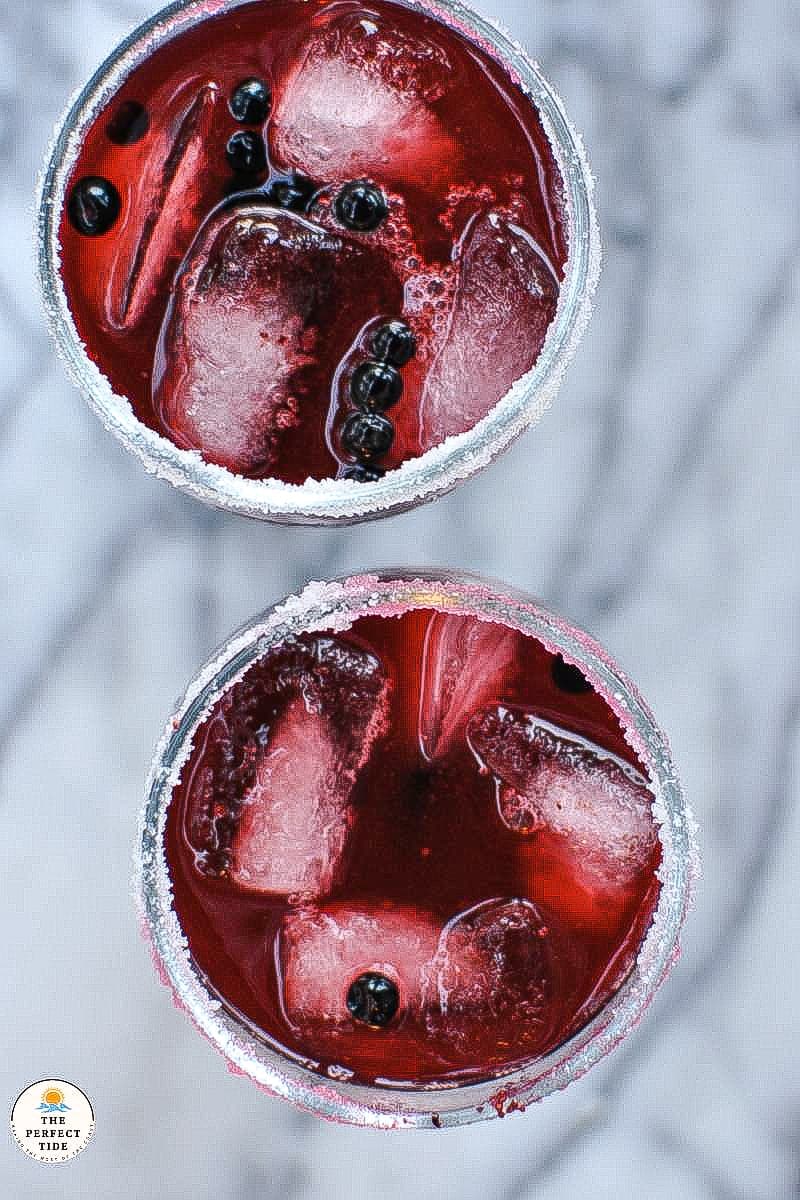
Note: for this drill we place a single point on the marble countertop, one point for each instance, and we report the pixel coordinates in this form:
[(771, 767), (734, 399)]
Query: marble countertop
[(656, 504)]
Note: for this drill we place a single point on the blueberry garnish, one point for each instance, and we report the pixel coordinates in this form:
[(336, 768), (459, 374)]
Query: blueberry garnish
[(568, 677), (373, 999), (361, 206), (394, 343), (367, 435), (250, 102), (246, 152), (93, 205), (361, 473), (129, 123), (375, 386), (294, 192)]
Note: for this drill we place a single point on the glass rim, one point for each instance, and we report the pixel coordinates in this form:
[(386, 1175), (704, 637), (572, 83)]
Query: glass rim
[(327, 501), (333, 607)]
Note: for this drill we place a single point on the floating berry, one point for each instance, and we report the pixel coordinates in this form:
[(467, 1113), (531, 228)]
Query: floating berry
[(246, 152), (361, 206), (293, 193), (250, 102), (568, 678), (367, 435), (361, 473), (373, 999), (93, 205), (129, 124), (375, 386), (394, 343)]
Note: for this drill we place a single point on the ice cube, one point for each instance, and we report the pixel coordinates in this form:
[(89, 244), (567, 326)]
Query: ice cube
[(505, 299), (324, 950), (269, 787), (357, 103), (464, 664), (168, 200), (265, 306), (492, 987), (295, 819), (549, 778)]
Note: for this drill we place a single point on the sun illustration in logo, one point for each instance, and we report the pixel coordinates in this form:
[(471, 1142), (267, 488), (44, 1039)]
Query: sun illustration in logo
[(53, 1101)]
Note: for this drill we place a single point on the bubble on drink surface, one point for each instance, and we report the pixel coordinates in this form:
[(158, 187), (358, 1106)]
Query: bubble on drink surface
[(324, 950), (264, 308), (505, 299), (359, 103), (269, 795), (492, 991), (464, 665), (550, 779), (169, 202)]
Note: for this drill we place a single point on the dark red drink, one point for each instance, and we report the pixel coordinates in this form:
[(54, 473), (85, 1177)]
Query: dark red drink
[(314, 239), (421, 850)]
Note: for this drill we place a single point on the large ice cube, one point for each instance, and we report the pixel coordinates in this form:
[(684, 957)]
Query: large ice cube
[(464, 665), (269, 791), (505, 299), (295, 819), (168, 199), (549, 778), (324, 950), (357, 103), (265, 306), (492, 988)]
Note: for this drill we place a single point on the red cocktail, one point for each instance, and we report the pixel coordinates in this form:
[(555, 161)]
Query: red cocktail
[(313, 241), (413, 848)]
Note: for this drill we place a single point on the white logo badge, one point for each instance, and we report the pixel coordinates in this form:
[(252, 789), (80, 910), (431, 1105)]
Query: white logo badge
[(52, 1120)]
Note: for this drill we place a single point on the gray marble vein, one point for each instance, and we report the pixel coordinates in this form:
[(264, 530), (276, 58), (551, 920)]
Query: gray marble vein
[(657, 504)]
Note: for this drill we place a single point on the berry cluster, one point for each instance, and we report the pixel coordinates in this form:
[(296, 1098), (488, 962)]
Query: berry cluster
[(375, 386), (94, 203), (246, 151), (250, 104)]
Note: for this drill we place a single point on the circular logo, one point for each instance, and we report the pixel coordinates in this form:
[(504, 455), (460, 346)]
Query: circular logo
[(52, 1120)]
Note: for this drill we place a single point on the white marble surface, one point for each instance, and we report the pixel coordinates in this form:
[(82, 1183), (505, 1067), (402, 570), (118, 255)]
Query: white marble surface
[(656, 504)]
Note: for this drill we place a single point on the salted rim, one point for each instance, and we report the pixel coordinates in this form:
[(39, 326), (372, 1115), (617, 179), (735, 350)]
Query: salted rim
[(327, 501), (333, 607)]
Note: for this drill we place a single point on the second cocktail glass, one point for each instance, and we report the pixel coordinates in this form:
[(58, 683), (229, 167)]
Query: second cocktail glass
[(413, 852)]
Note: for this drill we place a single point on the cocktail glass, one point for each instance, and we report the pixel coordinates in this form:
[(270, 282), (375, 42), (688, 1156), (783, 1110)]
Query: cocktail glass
[(332, 608), (322, 501)]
